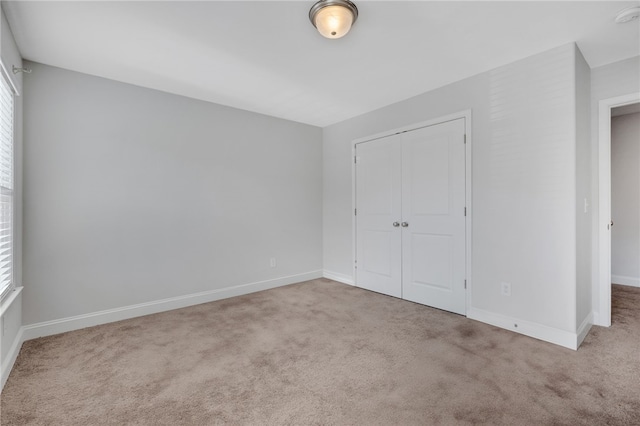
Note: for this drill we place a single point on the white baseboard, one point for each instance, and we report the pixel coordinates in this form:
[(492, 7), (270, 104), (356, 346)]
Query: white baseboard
[(531, 329), (596, 319), (12, 355), (63, 325), (342, 278), (584, 328), (622, 280), (11, 321), (48, 328)]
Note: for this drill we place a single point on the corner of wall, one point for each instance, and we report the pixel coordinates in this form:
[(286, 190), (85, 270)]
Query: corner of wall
[(584, 200)]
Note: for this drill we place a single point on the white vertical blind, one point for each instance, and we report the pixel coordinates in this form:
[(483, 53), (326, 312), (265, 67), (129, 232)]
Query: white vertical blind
[(6, 187)]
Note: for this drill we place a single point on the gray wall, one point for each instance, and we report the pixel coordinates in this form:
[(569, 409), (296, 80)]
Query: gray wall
[(583, 191), (524, 184), (625, 199), (133, 195)]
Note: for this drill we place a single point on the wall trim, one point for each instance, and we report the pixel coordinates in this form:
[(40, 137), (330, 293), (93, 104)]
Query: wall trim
[(16, 344), (12, 355), (9, 299), (584, 328), (622, 280), (336, 276), (48, 328), (531, 329)]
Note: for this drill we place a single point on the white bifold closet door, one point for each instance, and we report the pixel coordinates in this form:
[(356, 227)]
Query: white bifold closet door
[(410, 216), (378, 206)]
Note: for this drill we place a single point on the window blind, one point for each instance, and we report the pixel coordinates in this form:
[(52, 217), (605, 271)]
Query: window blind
[(6, 186)]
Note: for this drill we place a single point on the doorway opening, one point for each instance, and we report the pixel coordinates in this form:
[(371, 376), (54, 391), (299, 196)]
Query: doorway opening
[(604, 219)]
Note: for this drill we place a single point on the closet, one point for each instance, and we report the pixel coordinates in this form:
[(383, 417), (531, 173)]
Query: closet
[(410, 215)]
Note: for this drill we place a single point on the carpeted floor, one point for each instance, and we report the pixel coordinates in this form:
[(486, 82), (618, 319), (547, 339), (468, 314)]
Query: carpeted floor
[(321, 352)]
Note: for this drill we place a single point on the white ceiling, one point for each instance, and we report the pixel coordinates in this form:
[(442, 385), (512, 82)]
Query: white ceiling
[(266, 56)]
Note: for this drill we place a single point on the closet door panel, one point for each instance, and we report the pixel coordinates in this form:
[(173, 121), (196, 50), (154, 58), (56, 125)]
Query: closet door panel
[(433, 201), (431, 260), (378, 204)]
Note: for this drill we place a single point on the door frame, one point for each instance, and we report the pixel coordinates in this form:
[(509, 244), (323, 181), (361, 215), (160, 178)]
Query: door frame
[(603, 315), (466, 115)]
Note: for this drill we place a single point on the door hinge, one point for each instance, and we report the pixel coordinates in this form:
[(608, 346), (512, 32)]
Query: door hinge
[(465, 284), (465, 211), (355, 212), (355, 160), (465, 138)]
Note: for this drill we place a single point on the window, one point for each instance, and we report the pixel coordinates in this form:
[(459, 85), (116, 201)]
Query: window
[(6, 186)]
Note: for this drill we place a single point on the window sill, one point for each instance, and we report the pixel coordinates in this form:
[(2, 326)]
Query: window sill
[(6, 303)]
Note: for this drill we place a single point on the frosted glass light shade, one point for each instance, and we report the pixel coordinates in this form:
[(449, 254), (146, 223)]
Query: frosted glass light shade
[(334, 21), (333, 18)]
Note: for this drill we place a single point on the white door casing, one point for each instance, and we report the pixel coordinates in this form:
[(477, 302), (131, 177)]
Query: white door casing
[(416, 181), (602, 316)]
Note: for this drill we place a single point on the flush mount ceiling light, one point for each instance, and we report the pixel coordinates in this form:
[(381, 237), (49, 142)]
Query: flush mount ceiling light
[(627, 15), (333, 18)]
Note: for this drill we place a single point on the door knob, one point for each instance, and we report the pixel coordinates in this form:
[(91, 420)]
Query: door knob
[(396, 224), (405, 224)]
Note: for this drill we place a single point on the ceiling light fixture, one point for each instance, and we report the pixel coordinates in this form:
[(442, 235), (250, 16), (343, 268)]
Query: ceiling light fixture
[(627, 15), (333, 18)]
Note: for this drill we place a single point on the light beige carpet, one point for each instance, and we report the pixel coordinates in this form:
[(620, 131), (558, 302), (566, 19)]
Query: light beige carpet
[(321, 352)]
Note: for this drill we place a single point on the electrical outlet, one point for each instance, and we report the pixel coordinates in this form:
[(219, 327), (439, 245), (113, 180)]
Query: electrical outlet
[(505, 289), (272, 262)]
